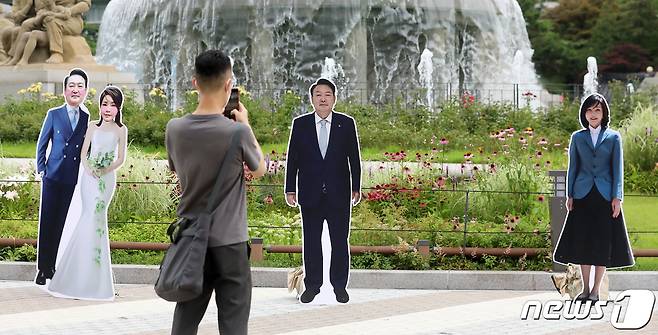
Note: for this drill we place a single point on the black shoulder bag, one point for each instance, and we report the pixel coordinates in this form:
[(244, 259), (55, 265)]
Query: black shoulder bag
[(181, 270)]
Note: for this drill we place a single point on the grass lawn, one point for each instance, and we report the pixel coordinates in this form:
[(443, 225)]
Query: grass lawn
[(641, 214), (28, 150)]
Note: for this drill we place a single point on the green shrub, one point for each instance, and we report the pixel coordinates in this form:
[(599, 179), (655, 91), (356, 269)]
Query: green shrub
[(24, 253), (512, 177)]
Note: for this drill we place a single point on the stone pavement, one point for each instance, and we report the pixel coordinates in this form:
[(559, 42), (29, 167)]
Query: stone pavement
[(26, 309)]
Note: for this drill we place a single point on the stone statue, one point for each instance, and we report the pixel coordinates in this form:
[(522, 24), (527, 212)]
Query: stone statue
[(30, 34), (52, 35), (68, 22), (10, 25)]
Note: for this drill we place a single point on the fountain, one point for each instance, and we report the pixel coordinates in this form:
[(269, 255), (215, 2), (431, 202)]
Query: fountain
[(426, 71), (286, 44), (334, 72), (590, 81)]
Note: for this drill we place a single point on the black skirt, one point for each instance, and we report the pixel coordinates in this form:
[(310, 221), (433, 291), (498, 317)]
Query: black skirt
[(591, 236)]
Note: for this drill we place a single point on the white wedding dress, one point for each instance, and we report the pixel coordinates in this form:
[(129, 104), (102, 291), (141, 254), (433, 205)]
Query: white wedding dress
[(84, 271)]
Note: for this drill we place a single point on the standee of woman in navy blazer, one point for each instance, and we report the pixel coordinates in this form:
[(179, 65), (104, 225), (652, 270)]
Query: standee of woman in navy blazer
[(594, 232)]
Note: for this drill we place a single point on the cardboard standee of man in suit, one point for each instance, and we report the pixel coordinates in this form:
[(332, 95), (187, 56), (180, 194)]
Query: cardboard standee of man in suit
[(64, 130), (323, 175)]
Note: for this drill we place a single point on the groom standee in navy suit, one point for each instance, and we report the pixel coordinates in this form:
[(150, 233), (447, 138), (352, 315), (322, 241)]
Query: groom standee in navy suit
[(323, 174), (64, 129)]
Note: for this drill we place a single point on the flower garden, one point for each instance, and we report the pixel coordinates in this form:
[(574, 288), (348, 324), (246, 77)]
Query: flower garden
[(466, 173)]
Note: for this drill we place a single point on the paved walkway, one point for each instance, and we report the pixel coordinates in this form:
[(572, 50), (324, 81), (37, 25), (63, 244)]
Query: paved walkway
[(26, 309)]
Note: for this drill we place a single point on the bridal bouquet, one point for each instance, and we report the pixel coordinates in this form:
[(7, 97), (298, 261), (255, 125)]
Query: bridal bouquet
[(101, 161)]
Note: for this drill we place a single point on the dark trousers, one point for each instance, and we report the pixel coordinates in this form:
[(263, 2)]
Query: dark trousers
[(338, 221), (227, 271), (55, 202)]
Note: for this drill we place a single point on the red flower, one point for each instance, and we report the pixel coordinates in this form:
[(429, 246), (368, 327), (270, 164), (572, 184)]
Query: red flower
[(422, 205), (540, 198)]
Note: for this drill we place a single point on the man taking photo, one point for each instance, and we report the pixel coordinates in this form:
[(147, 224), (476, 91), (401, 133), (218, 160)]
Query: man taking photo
[(196, 145)]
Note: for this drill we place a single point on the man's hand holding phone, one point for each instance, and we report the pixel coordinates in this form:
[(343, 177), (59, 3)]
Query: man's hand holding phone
[(240, 114), (232, 104)]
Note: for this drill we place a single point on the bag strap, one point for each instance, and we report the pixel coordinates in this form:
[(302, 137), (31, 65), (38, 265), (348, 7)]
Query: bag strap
[(214, 199)]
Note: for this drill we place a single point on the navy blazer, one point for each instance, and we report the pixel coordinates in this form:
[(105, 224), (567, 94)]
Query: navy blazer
[(63, 163), (307, 171), (601, 165)]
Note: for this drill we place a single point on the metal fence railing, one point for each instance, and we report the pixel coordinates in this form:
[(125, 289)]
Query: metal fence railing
[(464, 219)]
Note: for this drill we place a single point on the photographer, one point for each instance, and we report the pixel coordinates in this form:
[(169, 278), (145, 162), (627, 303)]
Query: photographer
[(196, 144)]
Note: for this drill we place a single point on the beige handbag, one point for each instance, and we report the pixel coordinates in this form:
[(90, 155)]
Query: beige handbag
[(296, 280), (571, 283)]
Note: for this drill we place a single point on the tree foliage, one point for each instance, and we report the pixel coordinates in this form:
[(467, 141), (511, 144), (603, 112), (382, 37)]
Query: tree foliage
[(621, 34)]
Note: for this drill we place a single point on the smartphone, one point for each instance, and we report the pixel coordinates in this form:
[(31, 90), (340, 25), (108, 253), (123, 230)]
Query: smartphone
[(233, 103)]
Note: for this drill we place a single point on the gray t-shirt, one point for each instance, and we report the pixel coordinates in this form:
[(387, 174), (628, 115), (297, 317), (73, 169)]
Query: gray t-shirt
[(196, 146)]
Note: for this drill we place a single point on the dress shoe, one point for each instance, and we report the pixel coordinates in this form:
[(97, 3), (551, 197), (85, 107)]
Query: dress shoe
[(50, 274), (41, 278), (308, 296), (582, 297), (342, 296), (594, 297)]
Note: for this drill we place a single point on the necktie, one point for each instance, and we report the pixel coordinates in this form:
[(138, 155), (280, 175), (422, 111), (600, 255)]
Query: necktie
[(74, 118), (324, 139)]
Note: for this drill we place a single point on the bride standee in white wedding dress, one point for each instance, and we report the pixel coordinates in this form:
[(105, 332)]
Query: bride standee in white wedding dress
[(84, 271)]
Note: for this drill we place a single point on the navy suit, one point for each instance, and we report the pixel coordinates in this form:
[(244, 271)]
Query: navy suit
[(60, 170), (324, 189), (600, 166)]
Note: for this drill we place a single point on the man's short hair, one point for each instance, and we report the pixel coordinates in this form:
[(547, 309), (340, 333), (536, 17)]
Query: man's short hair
[(77, 72), (210, 68), (323, 81)]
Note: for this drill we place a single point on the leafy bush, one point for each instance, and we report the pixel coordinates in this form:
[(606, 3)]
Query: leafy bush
[(513, 177)]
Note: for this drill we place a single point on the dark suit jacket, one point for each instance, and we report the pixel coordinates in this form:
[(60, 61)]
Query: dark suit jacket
[(63, 163), (307, 171), (601, 166)]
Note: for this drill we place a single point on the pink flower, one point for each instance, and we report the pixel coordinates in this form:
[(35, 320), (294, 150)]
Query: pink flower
[(468, 155), (440, 182), (268, 200), (543, 141), (443, 141)]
